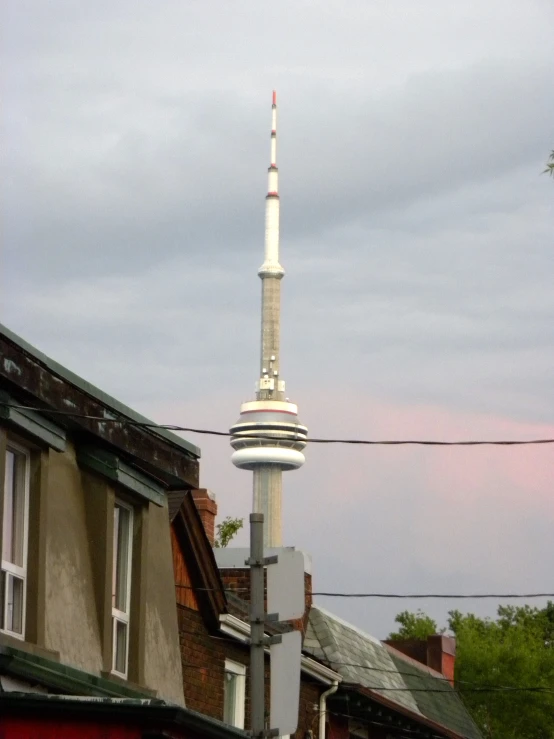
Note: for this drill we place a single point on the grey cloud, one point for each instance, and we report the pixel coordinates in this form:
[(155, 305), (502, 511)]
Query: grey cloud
[(416, 235)]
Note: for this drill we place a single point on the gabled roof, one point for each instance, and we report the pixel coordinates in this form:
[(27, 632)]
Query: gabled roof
[(174, 501), (387, 675), (198, 554), (343, 646)]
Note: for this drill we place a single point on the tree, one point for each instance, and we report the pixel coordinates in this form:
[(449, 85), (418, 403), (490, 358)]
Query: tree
[(514, 651), (227, 530), (550, 165), (413, 626)]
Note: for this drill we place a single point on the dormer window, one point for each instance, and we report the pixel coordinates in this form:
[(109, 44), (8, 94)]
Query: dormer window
[(121, 587), (15, 518)]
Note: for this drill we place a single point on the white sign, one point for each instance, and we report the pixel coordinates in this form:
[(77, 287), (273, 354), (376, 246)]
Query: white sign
[(285, 682)]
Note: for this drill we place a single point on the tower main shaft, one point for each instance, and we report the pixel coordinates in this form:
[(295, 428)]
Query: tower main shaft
[(268, 438)]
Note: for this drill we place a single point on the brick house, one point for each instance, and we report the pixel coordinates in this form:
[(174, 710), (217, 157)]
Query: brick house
[(212, 613), (352, 685)]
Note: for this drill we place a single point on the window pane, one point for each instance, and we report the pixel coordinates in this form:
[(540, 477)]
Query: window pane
[(230, 698), (3, 583), (122, 535), (7, 527), (14, 604), (14, 509), (120, 648)]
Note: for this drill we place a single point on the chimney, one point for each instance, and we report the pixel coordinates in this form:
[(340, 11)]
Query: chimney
[(438, 652), (441, 655), (207, 508)]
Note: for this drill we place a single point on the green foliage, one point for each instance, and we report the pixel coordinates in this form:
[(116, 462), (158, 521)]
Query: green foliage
[(227, 530), (550, 165), (514, 651), (413, 626)]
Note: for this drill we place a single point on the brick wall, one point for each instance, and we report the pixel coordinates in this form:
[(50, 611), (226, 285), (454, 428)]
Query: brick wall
[(203, 658), (237, 580)]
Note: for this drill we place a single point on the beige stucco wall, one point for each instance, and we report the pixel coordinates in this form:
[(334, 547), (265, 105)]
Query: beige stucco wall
[(71, 623), (162, 659), (77, 512)]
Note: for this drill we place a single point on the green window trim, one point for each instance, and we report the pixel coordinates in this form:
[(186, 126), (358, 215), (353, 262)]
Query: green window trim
[(32, 423), (110, 465)]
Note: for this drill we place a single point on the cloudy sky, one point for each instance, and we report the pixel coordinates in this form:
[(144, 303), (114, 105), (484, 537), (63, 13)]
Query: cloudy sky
[(417, 236)]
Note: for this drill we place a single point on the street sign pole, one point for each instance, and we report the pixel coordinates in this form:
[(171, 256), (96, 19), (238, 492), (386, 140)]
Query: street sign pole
[(257, 621), (285, 584)]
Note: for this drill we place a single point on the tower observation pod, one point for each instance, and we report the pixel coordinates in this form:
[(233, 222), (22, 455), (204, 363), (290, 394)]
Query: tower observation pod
[(268, 438)]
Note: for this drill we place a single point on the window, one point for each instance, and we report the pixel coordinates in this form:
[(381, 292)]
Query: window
[(234, 694), (121, 586), (13, 573)]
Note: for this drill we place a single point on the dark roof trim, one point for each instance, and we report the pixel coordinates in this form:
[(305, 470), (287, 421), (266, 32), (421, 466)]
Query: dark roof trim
[(147, 713), (33, 424), (95, 392), (33, 383)]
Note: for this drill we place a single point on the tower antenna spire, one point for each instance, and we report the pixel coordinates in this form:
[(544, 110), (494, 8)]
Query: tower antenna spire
[(270, 414)]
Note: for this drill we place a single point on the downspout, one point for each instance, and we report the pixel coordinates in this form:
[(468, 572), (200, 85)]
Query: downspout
[(323, 707)]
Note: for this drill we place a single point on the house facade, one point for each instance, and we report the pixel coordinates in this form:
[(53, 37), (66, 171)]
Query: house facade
[(118, 618), (212, 607), (89, 635), (351, 685)]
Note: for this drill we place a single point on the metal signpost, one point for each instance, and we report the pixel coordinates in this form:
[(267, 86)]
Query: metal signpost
[(285, 585)]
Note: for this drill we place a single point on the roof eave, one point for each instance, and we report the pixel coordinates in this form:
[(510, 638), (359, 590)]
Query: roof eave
[(419, 717)]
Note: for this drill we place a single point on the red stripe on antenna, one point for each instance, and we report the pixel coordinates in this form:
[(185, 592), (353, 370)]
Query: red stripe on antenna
[(274, 97)]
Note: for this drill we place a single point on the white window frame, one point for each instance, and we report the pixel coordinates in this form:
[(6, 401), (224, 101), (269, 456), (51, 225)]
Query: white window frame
[(8, 568), (118, 616), (239, 670)]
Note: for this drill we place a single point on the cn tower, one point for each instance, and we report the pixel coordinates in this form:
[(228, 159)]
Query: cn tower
[(268, 438)]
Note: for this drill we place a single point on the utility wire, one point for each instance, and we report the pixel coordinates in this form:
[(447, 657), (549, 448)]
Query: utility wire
[(268, 437), (381, 688), (445, 596), (423, 669)]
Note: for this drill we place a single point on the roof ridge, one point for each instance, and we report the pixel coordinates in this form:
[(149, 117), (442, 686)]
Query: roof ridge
[(348, 625)]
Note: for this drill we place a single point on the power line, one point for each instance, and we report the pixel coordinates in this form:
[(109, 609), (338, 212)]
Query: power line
[(386, 688), (423, 669), (445, 596), (268, 437), (449, 691)]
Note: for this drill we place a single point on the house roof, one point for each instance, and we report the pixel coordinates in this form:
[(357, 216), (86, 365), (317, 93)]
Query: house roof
[(96, 393), (344, 646), (444, 707), (363, 660), (198, 553), (174, 501)]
